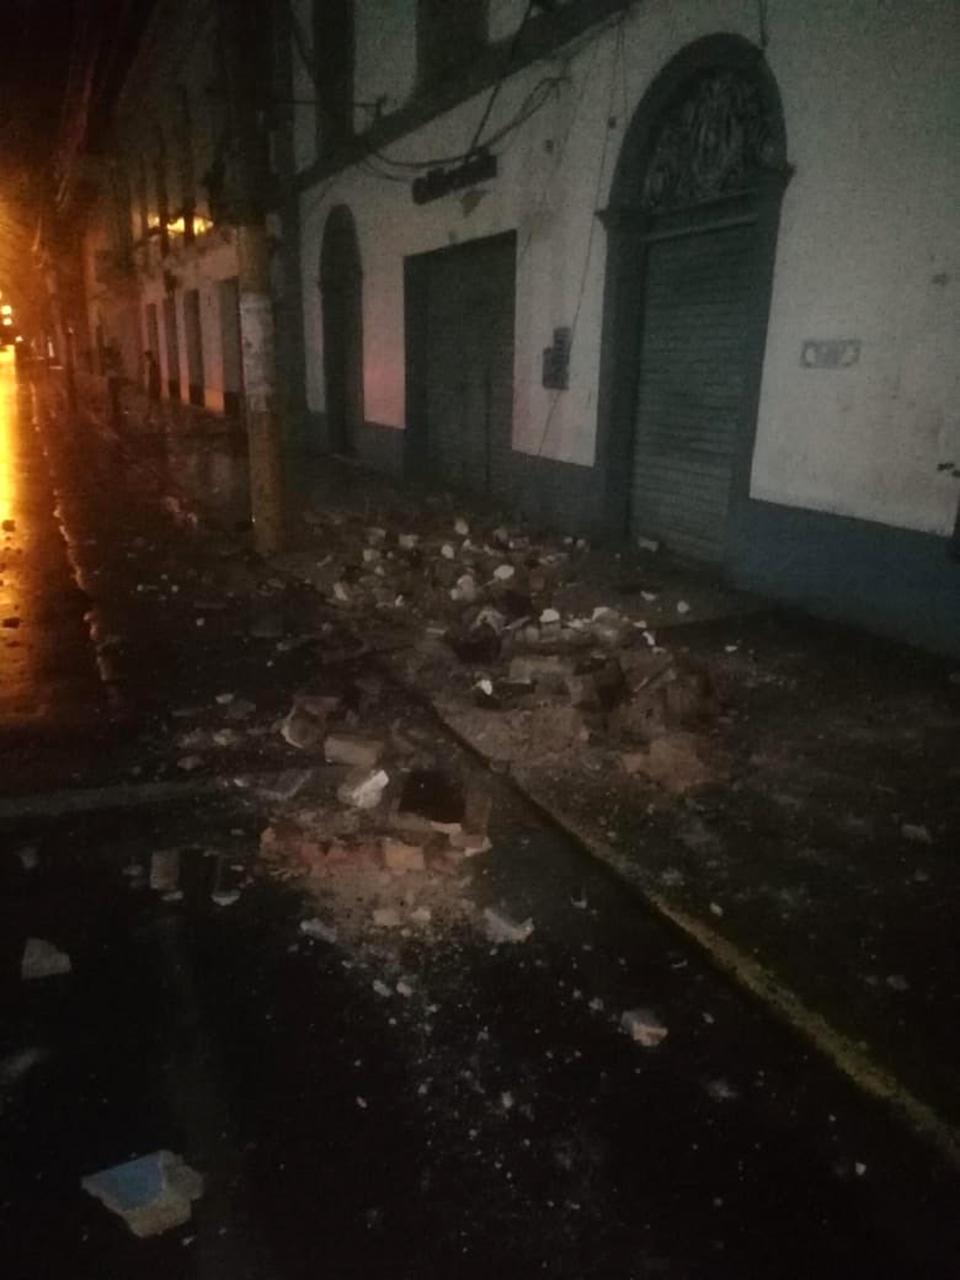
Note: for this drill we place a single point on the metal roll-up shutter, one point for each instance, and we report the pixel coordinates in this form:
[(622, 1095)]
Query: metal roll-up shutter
[(693, 377), (469, 361)]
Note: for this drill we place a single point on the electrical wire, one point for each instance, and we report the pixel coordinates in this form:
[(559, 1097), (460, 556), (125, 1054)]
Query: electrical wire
[(561, 152), (504, 72), (532, 103)]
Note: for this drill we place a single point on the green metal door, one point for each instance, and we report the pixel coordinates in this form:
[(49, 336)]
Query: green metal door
[(695, 363), (468, 361)]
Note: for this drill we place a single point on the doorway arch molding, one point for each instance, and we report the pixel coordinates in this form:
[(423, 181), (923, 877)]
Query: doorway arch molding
[(672, 127)]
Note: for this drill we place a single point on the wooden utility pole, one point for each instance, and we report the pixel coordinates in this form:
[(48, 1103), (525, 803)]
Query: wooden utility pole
[(247, 72)]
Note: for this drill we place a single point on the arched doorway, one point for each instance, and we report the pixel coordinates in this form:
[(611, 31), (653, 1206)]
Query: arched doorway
[(342, 298), (692, 225)]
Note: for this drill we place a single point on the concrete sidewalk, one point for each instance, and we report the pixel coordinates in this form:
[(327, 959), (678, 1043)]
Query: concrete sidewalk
[(813, 851)]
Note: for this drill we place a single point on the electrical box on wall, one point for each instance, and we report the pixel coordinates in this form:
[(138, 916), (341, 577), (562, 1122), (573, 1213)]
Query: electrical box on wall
[(556, 361)]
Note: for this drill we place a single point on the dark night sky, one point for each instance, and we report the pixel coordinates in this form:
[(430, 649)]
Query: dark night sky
[(45, 48)]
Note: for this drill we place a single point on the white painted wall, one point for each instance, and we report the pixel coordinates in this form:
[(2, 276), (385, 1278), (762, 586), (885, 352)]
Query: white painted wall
[(868, 245), (869, 248)]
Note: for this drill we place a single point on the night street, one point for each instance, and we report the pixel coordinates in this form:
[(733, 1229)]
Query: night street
[(413, 1101), (479, 640)]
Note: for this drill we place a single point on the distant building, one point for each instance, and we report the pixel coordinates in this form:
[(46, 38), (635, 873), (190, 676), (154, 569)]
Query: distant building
[(161, 276)]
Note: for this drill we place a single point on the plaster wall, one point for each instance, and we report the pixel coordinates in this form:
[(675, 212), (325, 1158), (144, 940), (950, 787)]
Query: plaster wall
[(868, 248)]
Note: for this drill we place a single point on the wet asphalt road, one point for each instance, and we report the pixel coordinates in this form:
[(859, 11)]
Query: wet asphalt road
[(496, 1121)]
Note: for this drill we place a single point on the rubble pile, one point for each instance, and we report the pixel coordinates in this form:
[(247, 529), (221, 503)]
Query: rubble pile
[(390, 854), (500, 634)]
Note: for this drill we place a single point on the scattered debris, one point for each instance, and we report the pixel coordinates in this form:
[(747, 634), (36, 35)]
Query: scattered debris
[(284, 785), (28, 857), (500, 928), (314, 927), (386, 918), (300, 728), (152, 1193), (364, 788), (19, 1064), (165, 870), (41, 959), (721, 1090), (672, 760), (358, 750), (897, 982), (916, 833), (400, 857), (644, 1027), (225, 897)]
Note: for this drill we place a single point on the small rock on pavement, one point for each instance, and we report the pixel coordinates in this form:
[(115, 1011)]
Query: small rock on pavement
[(466, 589), (400, 857), (152, 1193), (461, 528), (28, 857), (915, 833), (643, 1027), (504, 572), (285, 785), (364, 789), (355, 749), (165, 870), (672, 761), (545, 667), (386, 918), (314, 927), (41, 959), (300, 728), (500, 928)]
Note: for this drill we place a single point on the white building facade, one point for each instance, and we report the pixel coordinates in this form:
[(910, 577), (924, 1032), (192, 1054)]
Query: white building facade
[(681, 272)]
